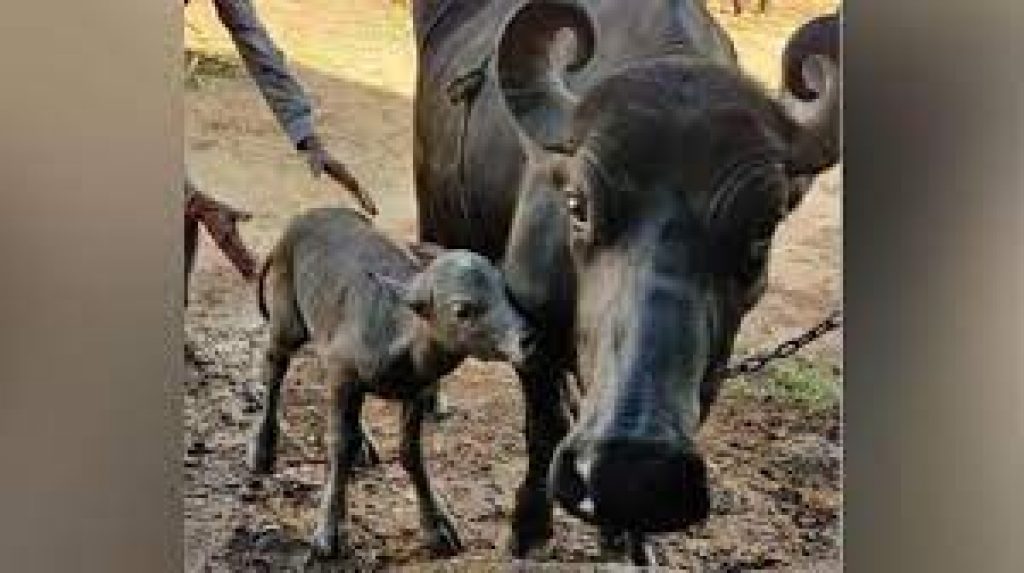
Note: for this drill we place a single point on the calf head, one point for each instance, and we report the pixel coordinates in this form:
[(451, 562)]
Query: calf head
[(463, 303), (660, 187)]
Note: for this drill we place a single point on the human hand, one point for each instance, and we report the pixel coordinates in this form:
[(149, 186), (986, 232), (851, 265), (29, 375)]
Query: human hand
[(321, 161)]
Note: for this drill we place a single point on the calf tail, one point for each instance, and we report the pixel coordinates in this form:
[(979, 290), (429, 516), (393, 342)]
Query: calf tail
[(262, 286)]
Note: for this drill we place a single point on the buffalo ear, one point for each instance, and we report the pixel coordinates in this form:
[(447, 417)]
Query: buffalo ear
[(414, 293), (531, 68)]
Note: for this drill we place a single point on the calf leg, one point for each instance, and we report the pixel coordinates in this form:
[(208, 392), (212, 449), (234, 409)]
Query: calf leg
[(441, 536), (263, 442), (287, 334), (547, 423), (436, 406), (367, 455), (331, 536)]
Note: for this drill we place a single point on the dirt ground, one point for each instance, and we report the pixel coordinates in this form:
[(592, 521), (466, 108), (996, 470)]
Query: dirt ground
[(775, 460)]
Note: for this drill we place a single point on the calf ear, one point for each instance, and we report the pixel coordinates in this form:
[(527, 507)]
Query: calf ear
[(531, 68), (414, 293), (425, 252)]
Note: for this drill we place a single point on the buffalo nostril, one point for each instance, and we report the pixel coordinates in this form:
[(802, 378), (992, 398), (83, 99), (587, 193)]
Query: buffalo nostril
[(583, 466), (587, 506)]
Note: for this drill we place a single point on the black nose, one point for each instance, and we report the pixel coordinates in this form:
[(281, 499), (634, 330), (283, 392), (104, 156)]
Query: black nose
[(635, 485)]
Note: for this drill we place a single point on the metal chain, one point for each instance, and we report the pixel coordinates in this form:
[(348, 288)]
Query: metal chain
[(759, 360)]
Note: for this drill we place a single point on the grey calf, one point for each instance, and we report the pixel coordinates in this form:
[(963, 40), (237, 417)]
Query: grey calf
[(383, 322)]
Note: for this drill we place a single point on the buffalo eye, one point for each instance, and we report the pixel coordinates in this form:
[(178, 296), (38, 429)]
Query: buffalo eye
[(578, 206), (758, 248), (757, 254), (761, 240)]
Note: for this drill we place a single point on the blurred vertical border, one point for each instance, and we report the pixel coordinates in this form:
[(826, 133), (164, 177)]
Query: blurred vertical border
[(934, 270), (90, 286)]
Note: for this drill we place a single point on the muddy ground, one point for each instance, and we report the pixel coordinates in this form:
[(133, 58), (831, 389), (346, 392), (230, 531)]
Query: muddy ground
[(773, 442)]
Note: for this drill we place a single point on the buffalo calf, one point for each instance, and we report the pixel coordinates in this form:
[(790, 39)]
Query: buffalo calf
[(383, 321)]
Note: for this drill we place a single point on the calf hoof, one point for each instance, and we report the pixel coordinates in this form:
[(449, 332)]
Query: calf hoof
[(437, 408), (262, 455), (367, 456), (442, 537), (328, 544)]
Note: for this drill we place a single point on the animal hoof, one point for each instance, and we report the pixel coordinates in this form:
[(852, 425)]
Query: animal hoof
[(437, 408), (261, 456), (367, 457), (642, 551), (526, 543), (327, 544), (443, 539)]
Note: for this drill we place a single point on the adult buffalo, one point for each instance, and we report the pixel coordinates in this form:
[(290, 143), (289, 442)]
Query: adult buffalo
[(630, 178)]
